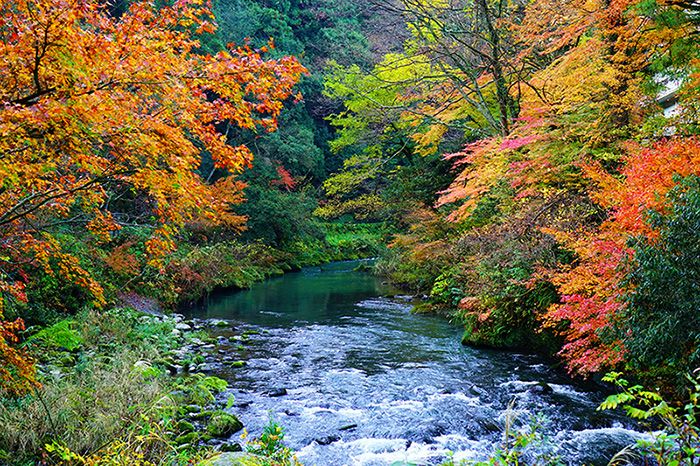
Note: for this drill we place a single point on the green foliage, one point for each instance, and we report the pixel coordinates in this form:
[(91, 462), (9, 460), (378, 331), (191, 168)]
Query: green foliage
[(105, 398), (281, 215), (60, 335), (679, 442), (88, 409), (279, 218), (270, 447)]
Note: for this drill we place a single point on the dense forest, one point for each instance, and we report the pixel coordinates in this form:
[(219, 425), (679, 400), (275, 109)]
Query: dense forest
[(527, 169)]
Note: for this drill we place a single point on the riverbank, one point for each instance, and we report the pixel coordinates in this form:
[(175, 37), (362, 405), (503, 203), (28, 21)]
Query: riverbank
[(132, 383), (197, 271), (133, 388), (126, 387)]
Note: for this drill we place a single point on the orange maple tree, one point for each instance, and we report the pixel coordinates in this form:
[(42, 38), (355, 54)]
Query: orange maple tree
[(593, 288), (93, 105)]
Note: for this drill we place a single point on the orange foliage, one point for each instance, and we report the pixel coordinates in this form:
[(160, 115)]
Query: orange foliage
[(17, 371), (583, 103), (592, 288), (92, 104), (285, 180)]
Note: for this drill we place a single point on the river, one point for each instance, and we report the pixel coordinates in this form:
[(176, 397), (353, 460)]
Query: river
[(355, 378)]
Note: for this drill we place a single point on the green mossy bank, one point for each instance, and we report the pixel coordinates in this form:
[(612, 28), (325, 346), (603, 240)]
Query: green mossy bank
[(125, 387)]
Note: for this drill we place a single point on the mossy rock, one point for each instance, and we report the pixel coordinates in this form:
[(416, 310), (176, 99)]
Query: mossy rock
[(223, 425), (185, 427), (201, 415), (188, 438), (238, 364)]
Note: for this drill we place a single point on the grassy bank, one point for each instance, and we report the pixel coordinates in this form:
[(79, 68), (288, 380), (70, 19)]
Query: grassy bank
[(197, 270), (125, 388)]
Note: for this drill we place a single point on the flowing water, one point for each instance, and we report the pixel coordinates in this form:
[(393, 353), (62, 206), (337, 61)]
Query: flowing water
[(356, 379)]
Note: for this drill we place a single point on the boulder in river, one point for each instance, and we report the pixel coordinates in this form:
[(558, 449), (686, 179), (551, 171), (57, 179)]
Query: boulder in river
[(327, 440), (476, 391), (277, 392), (541, 388), (219, 323)]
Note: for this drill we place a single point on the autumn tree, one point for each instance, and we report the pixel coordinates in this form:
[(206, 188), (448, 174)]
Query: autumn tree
[(540, 177), (96, 109), (598, 291), (457, 79), (470, 45)]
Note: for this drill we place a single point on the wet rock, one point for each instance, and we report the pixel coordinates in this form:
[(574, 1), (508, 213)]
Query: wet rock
[(231, 447), (327, 440), (489, 425), (597, 446), (348, 427), (218, 323), (476, 391), (277, 392), (541, 388), (290, 413), (207, 367)]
